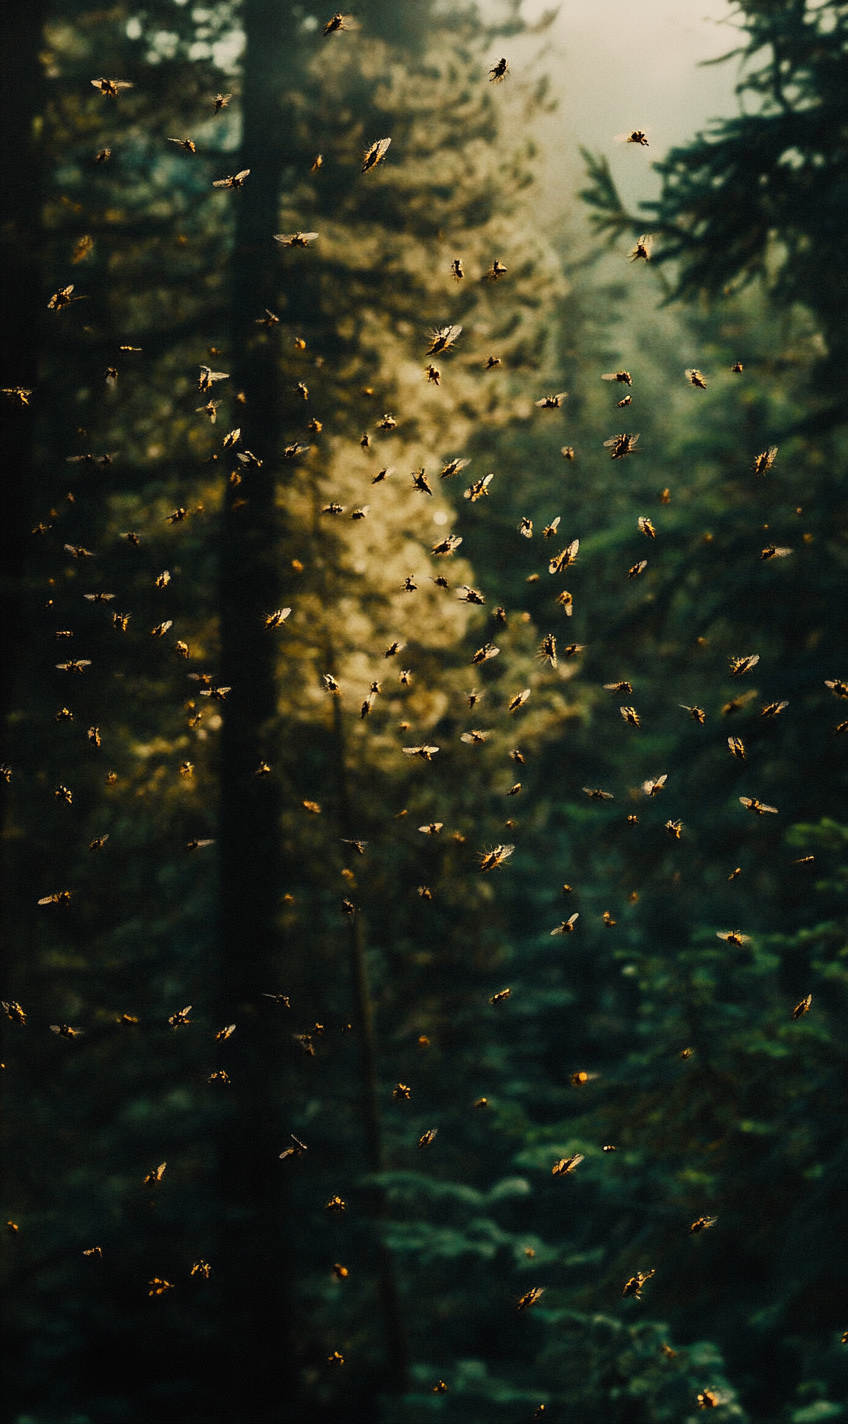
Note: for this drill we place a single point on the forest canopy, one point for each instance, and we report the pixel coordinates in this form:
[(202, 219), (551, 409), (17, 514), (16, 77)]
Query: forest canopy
[(424, 835)]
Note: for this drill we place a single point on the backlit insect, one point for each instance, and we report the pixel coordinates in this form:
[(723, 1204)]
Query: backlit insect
[(694, 377), (552, 402), (739, 666), (374, 154), (737, 704), (59, 897), (762, 463), (13, 1011), (233, 180), (479, 489), (734, 937), (630, 716), (642, 250), (636, 570), (65, 1031), (498, 72), (276, 619), (621, 445), (207, 377), (568, 926), (442, 339), (565, 559), (424, 753), (295, 239), (485, 654), (736, 747), (566, 1165), (702, 1224), (428, 1138), (339, 22), (111, 88), (496, 270), (185, 143), (636, 136), (674, 829), (456, 269), (633, 1287), (155, 1176), (63, 298), (623, 377), (803, 1007), (696, 713), (492, 859), (774, 551), (752, 804), (297, 1148), (645, 526), (548, 650)]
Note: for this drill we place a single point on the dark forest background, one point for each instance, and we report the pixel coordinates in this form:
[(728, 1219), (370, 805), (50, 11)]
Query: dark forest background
[(641, 1030)]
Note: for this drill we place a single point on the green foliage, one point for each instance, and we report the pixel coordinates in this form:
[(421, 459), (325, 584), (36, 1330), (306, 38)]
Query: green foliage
[(762, 195)]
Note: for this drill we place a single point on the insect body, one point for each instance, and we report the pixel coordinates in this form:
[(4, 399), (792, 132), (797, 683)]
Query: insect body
[(233, 180), (374, 154)]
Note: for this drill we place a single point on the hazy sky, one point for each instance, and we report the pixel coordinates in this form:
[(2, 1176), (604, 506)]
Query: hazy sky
[(623, 64)]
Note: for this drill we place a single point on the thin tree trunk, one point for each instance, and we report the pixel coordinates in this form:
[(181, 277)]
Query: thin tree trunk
[(397, 1350), (21, 109), (257, 1356)]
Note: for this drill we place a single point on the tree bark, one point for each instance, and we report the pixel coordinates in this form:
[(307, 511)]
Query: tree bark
[(394, 1328), (21, 108), (256, 1361)]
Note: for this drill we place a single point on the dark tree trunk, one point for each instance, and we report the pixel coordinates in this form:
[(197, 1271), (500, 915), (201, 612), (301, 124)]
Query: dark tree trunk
[(394, 1324), (21, 108), (257, 1229), (256, 1358)]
